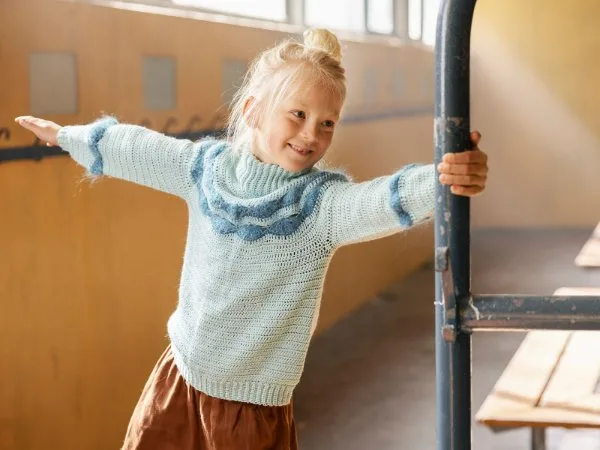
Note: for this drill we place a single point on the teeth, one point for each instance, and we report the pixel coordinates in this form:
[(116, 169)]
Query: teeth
[(299, 149)]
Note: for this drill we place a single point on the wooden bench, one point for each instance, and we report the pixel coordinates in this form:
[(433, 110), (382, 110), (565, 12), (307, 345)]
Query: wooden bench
[(589, 256), (551, 381)]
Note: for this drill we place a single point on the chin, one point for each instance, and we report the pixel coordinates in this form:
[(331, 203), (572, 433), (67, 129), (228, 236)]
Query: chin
[(290, 164), (291, 167)]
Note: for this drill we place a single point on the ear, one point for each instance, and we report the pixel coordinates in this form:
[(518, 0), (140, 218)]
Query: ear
[(251, 113)]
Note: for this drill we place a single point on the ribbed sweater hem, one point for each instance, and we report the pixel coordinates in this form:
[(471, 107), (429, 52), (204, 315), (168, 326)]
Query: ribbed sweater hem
[(248, 391)]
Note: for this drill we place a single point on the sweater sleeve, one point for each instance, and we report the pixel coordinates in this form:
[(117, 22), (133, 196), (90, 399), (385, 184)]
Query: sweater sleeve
[(132, 153), (364, 211)]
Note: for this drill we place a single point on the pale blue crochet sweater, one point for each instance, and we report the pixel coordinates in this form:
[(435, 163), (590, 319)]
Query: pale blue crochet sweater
[(258, 246)]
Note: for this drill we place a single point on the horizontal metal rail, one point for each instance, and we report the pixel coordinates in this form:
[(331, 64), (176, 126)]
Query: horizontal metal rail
[(528, 312)]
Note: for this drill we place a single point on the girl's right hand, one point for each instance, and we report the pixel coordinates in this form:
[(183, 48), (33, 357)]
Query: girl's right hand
[(45, 130)]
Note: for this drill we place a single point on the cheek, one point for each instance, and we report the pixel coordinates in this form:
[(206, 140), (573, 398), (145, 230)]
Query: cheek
[(283, 131), (325, 140), (289, 128)]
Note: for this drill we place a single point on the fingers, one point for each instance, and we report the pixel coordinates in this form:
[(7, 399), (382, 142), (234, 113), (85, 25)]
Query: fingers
[(32, 124), (463, 180), (29, 120), (465, 172), (463, 169), (474, 156), (25, 121), (467, 191), (45, 130)]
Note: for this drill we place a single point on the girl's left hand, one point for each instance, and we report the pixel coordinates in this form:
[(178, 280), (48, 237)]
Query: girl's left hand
[(466, 172)]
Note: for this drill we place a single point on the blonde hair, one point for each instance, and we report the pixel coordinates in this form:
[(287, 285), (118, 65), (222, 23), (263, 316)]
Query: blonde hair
[(278, 73)]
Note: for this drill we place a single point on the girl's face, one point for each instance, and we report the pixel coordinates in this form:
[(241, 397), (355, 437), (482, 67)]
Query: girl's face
[(299, 131)]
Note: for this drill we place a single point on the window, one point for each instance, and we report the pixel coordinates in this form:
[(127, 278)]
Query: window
[(260, 9), (158, 80), (232, 76), (415, 18), (430, 13), (380, 17), (422, 20), (52, 83), (415, 15), (335, 14)]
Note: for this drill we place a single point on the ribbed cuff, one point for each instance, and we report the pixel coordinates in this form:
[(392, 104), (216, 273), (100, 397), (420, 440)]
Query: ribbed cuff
[(413, 193)]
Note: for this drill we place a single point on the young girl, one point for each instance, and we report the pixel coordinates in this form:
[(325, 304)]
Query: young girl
[(263, 226)]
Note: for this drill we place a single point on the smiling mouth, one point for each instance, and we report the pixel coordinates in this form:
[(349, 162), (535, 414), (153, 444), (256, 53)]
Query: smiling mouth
[(300, 150)]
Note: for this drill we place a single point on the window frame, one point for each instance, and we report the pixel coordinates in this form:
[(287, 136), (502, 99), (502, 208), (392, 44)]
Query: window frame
[(295, 13)]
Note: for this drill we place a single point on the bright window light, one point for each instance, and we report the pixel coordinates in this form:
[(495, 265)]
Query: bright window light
[(381, 16), (415, 9), (430, 13), (260, 9), (335, 14)]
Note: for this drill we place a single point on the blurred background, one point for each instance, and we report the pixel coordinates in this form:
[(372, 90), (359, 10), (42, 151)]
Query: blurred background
[(80, 261)]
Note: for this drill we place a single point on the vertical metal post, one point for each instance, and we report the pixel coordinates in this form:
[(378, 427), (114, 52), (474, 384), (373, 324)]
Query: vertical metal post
[(538, 438), (452, 227)]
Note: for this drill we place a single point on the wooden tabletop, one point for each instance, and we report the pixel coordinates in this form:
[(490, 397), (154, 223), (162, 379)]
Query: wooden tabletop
[(551, 381)]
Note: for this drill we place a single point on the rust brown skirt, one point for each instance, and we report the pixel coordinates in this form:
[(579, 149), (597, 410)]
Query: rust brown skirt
[(171, 415)]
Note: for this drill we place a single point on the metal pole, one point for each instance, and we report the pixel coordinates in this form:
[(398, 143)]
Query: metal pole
[(452, 228), (538, 438), (528, 312)]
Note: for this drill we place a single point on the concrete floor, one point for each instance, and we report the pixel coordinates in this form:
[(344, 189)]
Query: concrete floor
[(369, 381)]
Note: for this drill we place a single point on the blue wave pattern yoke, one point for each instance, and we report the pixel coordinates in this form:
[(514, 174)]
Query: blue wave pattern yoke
[(258, 246)]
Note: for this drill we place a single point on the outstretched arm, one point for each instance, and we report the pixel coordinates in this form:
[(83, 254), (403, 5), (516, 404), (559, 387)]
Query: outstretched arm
[(362, 211), (129, 152), (357, 212)]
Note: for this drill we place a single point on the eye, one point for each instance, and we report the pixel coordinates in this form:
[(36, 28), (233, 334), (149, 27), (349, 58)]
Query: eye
[(299, 114), (329, 124)]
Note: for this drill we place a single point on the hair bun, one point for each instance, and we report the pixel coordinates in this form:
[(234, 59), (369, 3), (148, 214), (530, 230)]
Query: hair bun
[(323, 40)]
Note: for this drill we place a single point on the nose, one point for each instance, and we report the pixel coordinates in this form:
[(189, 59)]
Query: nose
[(309, 133)]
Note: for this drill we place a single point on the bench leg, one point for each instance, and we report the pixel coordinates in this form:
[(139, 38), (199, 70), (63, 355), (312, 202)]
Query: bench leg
[(538, 438)]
